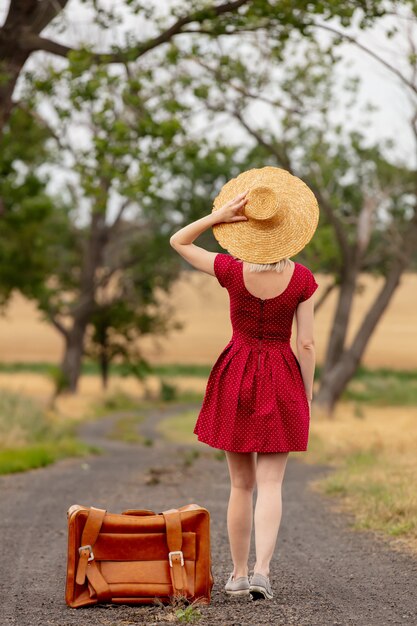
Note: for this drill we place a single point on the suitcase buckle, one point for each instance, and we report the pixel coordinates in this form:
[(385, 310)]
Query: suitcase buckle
[(176, 552), (90, 549)]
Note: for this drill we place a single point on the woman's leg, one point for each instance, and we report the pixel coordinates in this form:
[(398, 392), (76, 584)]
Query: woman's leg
[(270, 470), (242, 470)]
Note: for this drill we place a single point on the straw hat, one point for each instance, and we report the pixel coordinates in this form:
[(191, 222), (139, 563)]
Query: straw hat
[(282, 213)]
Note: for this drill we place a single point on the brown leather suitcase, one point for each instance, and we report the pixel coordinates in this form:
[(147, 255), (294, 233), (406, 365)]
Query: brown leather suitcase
[(138, 555)]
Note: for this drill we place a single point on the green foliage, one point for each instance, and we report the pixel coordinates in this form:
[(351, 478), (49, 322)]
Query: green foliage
[(188, 615), (26, 204), (91, 368), (168, 392), (59, 378)]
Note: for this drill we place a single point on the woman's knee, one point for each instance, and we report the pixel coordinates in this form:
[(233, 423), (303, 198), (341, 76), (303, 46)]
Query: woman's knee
[(243, 481), (242, 469)]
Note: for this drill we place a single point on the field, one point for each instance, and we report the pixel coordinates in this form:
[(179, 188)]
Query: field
[(25, 337)]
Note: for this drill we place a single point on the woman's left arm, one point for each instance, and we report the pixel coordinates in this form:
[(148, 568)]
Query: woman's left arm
[(182, 240)]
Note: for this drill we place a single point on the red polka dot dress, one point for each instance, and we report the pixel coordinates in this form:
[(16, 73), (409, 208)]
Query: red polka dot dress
[(255, 399)]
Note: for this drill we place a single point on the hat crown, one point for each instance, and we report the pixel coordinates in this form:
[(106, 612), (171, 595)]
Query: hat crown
[(282, 214), (263, 204)]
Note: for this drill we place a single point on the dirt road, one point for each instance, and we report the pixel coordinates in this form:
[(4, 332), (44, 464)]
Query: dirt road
[(323, 573)]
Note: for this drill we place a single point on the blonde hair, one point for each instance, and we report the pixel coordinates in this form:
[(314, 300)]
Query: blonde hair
[(279, 266)]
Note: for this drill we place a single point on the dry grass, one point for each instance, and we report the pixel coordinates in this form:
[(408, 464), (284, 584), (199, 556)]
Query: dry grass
[(25, 337), (392, 430), (375, 467), (90, 391)]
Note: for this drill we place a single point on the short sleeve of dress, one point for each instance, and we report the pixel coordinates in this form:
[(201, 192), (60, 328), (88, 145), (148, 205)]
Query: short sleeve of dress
[(309, 287), (221, 268)]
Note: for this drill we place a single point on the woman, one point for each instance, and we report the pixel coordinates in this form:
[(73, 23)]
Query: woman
[(258, 398)]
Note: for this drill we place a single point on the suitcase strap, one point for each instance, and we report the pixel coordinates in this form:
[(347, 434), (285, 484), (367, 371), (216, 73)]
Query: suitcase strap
[(175, 555), (87, 566)]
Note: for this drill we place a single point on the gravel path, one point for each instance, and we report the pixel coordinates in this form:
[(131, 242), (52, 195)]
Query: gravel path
[(323, 573)]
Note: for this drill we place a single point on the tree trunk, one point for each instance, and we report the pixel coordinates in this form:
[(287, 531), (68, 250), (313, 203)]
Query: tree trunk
[(72, 360), (104, 369), (10, 69), (341, 318), (333, 383)]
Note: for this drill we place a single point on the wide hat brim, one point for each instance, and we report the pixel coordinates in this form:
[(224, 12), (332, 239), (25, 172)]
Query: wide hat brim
[(282, 211)]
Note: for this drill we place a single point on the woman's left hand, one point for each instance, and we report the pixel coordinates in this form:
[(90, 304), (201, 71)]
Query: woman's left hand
[(230, 212)]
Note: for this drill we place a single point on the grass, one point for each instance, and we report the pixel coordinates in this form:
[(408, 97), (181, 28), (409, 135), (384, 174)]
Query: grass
[(180, 610), (31, 437), (379, 489), (115, 402), (91, 368), (179, 429), (126, 429), (374, 466), (122, 401), (382, 387), (39, 455)]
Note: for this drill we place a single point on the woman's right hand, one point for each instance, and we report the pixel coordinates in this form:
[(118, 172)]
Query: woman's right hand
[(230, 212)]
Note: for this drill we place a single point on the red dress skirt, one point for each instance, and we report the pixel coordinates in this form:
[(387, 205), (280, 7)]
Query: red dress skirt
[(255, 400)]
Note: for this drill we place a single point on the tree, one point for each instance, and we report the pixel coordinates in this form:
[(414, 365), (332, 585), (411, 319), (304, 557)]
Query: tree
[(132, 127), (367, 200), (125, 314), (22, 33)]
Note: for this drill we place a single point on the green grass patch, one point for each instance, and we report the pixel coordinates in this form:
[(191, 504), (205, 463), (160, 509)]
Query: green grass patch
[(383, 387), (376, 486), (126, 429), (32, 437), (121, 401), (31, 457), (179, 428), (91, 368), (115, 402), (189, 615)]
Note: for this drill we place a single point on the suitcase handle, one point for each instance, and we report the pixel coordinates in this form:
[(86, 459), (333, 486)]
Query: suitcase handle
[(138, 512)]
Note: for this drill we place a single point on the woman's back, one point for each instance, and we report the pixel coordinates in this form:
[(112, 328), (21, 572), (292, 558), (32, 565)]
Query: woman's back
[(267, 317)]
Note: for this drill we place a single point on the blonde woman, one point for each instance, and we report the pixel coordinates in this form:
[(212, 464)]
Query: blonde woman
[(257, 403)]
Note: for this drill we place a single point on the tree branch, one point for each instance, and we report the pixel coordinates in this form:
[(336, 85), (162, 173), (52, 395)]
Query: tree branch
[(31, 42), (391, 68), (243, 92), (282, 157), (119, 215), (55, 322), (326, 205), (198, 16)]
